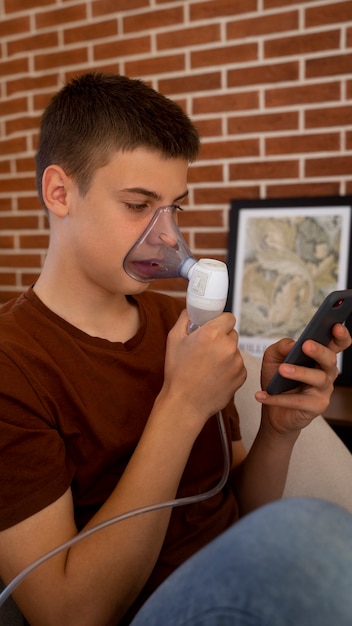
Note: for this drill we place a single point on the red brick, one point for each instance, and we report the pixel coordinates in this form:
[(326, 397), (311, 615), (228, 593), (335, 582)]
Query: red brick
[(226, 102), (211, 240), (35, 42), (262, 170), (5, 167), (25, 165), (211, 127), (205, 173), (31, 83), (219, 8), (270, 122), (156, 65), (330, 166), (13, 105), (14, 26), (13, 67), (263, 25), (60, 59), (302, 189), (13, 145), (16, 222), (190, 83), (17, 5), (28, 122), (224, 194), (227, 149), (14, 185), (20, 260), (7, 242), (29, 278), (302, 44), (186, 37), (61, 16), (30, 203), (349, 140), (122, 48), (226, 54), (328, 116), (329, 66), (8, 278), (296, 144), (5, 204), (90, 31), (34, 241), (261, 74), (328, 14), (104, 7), (194, 219), (286, 96), (146, 20)]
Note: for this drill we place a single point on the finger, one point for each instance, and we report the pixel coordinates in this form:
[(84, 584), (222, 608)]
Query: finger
[(278, 351), (225, 322), (341, 337), (310, 377)]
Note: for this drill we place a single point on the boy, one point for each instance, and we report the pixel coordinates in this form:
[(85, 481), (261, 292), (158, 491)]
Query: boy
[(107, 403)]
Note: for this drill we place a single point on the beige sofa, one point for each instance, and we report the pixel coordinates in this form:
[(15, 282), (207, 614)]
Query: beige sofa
[(321, 465)]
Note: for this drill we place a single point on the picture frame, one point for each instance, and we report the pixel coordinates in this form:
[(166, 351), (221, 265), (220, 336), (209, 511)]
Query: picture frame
[(285, 255)]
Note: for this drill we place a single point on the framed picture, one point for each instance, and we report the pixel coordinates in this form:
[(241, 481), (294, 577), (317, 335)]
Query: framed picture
[(285, 256)]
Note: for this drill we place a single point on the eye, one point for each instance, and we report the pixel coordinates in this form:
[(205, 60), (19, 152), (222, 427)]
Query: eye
[(176, 207), (138, 206)]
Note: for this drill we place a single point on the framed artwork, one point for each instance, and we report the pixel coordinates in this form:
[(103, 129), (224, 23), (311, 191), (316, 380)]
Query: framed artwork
[(285, 256)]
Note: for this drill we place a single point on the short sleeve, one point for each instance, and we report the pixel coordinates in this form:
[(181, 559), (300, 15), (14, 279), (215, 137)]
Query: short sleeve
[(34, 469)]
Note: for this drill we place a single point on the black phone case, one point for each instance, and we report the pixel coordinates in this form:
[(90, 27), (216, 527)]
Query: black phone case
[(336, 308)]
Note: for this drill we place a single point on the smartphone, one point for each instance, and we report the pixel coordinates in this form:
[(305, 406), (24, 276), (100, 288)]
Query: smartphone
[(335, 309)]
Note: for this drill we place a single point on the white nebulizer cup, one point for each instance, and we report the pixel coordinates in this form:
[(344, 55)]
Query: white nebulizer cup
[(161, 252), (207, 291)]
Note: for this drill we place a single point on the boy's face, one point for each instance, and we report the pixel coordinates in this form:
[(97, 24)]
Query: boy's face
[(102, 226)]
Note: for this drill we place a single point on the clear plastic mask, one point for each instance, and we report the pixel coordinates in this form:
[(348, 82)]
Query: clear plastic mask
[(160, 251)]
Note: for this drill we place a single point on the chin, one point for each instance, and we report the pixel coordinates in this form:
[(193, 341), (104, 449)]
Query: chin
[(135, 287)]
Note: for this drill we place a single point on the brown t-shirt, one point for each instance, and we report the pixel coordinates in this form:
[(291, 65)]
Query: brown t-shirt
[(72, 410)]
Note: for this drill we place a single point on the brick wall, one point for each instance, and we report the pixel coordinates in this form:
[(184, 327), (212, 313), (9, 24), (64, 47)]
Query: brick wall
[(268, 83)]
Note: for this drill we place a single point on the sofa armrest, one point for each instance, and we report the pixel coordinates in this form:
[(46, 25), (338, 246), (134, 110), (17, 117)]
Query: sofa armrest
[(321, 465)]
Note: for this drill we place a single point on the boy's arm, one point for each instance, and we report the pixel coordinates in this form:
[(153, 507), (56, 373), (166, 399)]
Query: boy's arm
[(95, 582), (261, 477)]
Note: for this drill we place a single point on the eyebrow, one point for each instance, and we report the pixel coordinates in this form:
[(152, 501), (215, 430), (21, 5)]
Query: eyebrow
[(152, 194)]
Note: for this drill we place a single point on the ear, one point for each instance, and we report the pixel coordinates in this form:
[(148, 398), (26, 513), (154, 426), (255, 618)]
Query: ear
[(56, 187)]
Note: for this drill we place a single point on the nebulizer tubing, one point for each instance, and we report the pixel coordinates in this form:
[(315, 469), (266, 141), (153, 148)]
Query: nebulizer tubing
[(206, 297)]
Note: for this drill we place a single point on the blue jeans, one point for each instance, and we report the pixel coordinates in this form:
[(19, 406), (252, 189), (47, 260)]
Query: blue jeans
[(287, 564)]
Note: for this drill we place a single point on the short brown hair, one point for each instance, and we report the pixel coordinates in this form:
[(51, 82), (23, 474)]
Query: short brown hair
[(98, 114)]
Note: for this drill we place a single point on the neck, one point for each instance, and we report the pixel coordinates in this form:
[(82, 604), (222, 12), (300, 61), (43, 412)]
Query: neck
[(89, 308)]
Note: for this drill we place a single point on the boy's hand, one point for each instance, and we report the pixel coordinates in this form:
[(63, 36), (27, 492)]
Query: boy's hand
[(293, 410), (204, 368)]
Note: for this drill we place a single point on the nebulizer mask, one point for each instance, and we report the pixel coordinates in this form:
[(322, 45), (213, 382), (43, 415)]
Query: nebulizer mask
[(161, 252)]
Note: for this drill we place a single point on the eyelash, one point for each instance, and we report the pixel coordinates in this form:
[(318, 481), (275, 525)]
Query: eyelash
[(143, 205)]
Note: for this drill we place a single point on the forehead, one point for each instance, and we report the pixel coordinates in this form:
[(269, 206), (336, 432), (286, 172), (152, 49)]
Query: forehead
[(145, 169)]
